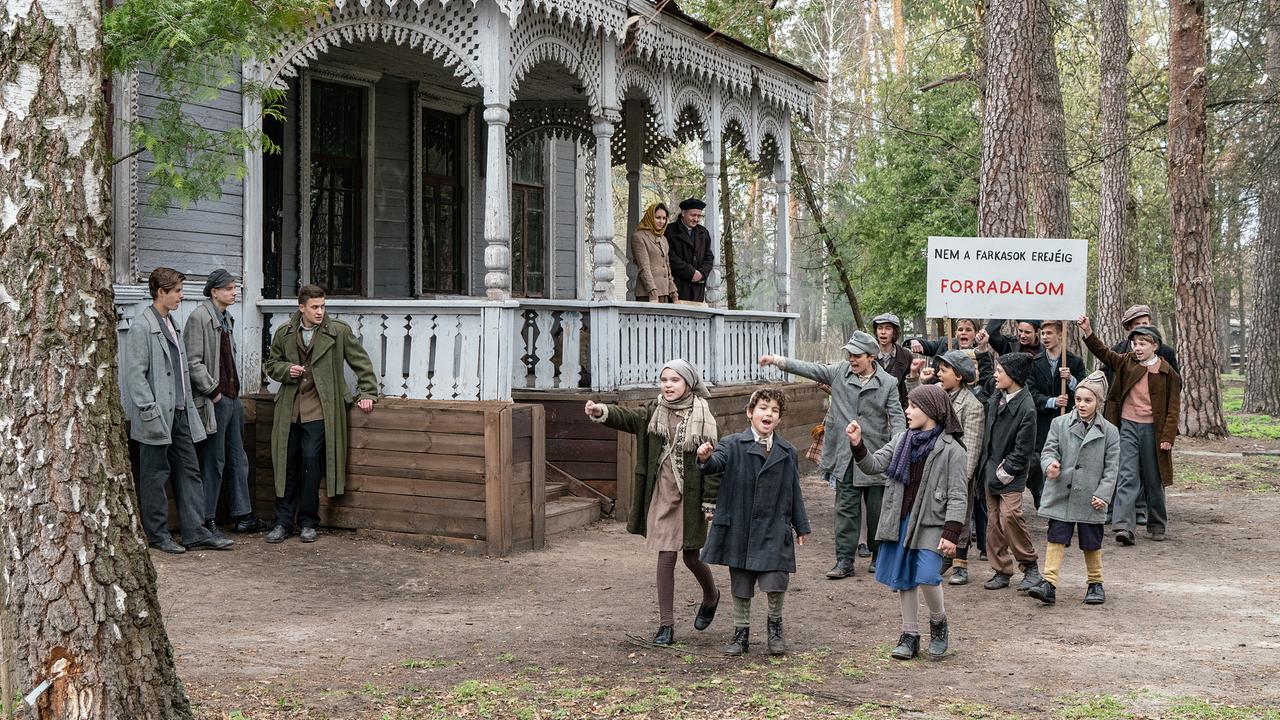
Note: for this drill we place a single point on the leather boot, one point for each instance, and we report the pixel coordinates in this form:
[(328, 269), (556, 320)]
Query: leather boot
[(1045, 592), (776, 644), (1095, 596), (741, 640), (908, 646), (1030, 578), (842, 569), (939, 636), (212, 526), (666, 635), (959, 576), (706, 613), (999, 581)]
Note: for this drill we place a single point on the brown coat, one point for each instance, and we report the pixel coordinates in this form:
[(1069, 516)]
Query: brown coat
[(1166, 392), (653, 266)]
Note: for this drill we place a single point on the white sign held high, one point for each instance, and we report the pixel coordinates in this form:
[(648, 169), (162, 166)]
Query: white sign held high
[(1025, 278)]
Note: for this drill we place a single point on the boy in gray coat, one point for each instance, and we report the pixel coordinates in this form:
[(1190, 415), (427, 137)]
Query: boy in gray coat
[(1081, 461), (860, 390), (211, 360), (163, 420)]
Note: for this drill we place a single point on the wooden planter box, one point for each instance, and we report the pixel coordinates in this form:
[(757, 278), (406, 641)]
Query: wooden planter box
[(466, 475)]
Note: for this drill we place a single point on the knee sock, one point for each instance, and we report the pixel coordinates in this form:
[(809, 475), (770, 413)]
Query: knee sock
[(933, 599), (1093, 562), (960, 562), (702, 572), (741, 612), (1053, 553), (775, 605), (666, 588), (910, 611)]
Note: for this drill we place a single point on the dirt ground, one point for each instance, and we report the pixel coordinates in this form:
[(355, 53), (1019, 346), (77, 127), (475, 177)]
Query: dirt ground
[(349, 628)]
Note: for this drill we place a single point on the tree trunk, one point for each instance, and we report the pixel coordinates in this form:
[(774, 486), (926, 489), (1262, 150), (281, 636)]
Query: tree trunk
[(726, 232), (1194, 301), (1261, 363), (1052, 196), (1113, 199), (1009, 29), (899, 39), (82, 589)]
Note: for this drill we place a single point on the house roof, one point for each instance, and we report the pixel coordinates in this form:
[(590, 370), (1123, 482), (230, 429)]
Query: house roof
[(672, 9)]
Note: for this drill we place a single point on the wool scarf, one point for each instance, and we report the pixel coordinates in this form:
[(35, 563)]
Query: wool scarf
[(695, 425), (914, 447)]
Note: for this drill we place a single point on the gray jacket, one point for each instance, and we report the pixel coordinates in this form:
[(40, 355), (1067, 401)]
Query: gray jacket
[(942, 497), (202, 338), (1090, 460), (875, 406), (148, 383)]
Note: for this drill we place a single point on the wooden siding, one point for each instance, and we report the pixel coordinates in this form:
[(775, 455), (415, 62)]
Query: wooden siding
[(393, 189), (466, 475), (289, 224), (565, 223), (208, 234)]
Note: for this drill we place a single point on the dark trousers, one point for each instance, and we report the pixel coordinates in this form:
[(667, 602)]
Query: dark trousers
[(222, 457), (1035, 478), (158, 464), (1139, 474), (849, 516), (975, 527), (304, 472)]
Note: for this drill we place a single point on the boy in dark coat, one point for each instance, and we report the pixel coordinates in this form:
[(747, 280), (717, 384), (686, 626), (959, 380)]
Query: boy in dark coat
[(1026, 337), (757, 509), (1048, 370), (1008, 449), (894, 358)]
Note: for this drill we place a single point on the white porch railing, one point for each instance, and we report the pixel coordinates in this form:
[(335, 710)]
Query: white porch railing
[(479, 350)]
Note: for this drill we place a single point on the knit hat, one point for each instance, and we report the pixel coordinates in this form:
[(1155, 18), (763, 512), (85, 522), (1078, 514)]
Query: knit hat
[(1033, 323), (1017, 365), (692, 378), (933, 400), (1134, 313), (962, 362), (1097, 384), (861, 343), (218, 278), (1147, 330)]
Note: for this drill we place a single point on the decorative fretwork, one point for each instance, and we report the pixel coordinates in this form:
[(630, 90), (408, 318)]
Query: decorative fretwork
[(447, 32), (564, 121), (541, 38)]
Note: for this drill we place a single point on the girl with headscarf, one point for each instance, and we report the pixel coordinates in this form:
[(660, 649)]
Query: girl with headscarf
[(650, 250), (926, 496), (669, 490)]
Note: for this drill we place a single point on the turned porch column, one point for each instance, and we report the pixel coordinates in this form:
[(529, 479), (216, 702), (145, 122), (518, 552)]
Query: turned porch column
[(711, 175), (495, 39), (782, 236), (602, 249)]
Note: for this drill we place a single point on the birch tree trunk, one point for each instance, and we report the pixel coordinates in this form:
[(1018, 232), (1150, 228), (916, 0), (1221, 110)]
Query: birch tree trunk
[(726, 232), (82, 592), (899, 39), (1052, 196), (1262, 366), (1194, 300), (1113, 198), (1009, 29)]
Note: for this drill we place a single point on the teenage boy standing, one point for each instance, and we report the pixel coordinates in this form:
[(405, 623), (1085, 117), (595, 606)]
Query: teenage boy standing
[(1008, 449)]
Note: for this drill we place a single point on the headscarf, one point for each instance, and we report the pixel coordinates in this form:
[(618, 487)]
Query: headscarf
[(696, 425), (649, 223), (916, 445)]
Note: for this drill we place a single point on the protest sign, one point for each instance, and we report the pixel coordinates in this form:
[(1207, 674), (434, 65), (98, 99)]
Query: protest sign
[(1025, 278)]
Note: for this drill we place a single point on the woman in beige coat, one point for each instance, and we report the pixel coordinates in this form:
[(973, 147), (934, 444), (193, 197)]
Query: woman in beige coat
[(649, 247)]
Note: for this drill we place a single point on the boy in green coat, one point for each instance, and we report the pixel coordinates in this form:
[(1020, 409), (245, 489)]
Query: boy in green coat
[(309, 428)]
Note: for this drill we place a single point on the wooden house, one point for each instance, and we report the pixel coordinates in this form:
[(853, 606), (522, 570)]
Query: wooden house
[(446, 175)]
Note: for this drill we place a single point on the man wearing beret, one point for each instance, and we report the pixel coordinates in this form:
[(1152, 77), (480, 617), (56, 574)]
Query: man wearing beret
[(691, 254), (215, 384)]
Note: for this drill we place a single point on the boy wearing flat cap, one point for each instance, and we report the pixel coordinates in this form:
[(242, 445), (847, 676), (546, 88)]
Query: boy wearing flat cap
[(894, 358), (860, 390), (691, 255), (215, 384), (1144, 403)]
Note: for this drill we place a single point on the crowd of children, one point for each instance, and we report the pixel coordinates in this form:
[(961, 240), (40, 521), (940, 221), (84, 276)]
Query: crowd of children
[(939, 454)]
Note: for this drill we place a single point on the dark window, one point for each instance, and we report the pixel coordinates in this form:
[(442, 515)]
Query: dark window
[(443, 192), (528, 222), (337, 187)]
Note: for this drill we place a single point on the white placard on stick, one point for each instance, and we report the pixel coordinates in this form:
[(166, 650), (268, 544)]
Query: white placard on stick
[(1024, 278)]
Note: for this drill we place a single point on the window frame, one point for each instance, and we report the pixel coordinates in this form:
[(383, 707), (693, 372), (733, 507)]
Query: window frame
[(430, 99)]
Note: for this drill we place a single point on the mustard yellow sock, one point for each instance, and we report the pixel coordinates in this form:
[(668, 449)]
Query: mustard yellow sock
[(960, 563), (1093, 563), (1053, 562)]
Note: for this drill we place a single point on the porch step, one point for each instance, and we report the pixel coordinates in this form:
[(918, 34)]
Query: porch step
[(575, 487), (556, 490), (568, 513)]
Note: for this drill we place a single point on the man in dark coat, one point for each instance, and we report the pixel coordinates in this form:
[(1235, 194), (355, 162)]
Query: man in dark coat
[(691, 253), (895, 359), (1047, 373), (1008, 449), (1026, 337)]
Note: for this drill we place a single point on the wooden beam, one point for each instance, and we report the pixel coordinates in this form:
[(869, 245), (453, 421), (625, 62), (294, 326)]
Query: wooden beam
[(538, 489), (498, 501)]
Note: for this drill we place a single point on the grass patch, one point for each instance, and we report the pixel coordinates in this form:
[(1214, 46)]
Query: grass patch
[(427, 663), (975, 710), (1192, 708), (1092, 707)]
